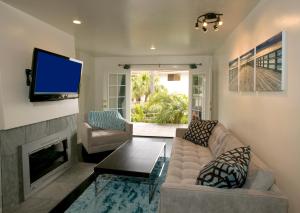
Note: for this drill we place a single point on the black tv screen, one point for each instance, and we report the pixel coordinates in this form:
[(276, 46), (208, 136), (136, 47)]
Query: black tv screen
[(54, 77)]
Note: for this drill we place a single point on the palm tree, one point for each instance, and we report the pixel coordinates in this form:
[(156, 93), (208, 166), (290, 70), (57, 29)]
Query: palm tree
[(140, 86), (168, 108), (146, 83)]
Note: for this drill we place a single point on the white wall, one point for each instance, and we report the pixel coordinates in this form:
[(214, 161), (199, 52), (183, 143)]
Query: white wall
[(269, 122), (181, 86), (105, 65), (20, 33), (87, 84)]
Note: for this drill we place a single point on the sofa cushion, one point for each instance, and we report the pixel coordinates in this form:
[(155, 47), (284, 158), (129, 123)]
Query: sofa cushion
[(216, 143), (230, 143), (229, 170), (199, 131), (186, 160)]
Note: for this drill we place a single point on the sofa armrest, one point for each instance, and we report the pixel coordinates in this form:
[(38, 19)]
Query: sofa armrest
[(129, 128), (86, 134), (202, 199), (180, 132)]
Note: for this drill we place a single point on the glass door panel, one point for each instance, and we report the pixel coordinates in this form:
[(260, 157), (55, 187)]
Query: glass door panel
[(117, 93), (198, 96)]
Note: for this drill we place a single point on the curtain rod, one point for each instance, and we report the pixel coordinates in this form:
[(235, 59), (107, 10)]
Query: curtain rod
[(122, 65)]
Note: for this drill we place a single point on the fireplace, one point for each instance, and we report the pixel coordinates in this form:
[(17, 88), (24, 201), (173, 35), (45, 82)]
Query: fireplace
[(44, 160)]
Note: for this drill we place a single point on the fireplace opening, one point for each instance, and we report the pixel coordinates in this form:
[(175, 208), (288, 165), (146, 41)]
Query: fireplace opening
[(43, 161)]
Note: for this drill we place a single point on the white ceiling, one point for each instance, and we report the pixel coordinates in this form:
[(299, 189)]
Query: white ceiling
[(130, 27)]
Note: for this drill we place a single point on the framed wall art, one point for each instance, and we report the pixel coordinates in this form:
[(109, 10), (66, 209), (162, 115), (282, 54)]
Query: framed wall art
[(233, 75), (269, 65)]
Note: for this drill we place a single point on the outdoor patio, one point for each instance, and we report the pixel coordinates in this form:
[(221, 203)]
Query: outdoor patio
[(156, 130)]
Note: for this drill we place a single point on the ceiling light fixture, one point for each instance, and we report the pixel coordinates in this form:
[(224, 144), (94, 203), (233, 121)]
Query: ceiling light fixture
[(220, 23), (216, 28), (152, 48), (76, 21), (209, 18)]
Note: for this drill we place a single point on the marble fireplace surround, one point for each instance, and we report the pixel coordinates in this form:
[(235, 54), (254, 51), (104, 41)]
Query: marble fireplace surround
[(11, 160)]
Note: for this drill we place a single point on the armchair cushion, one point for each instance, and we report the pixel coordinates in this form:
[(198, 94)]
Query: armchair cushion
[(106, 120)]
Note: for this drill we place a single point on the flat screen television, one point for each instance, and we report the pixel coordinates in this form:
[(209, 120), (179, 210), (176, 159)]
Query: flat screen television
[(54, 77)]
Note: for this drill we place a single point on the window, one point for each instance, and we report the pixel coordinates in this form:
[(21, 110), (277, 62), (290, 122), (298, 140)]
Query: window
[(173, 77)]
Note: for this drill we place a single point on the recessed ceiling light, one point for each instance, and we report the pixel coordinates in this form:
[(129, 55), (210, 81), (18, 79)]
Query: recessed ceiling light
[(152, 48), (76, 21)]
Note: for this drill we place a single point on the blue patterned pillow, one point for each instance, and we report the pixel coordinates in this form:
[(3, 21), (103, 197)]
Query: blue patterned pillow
[(229, 170), (106, 120)]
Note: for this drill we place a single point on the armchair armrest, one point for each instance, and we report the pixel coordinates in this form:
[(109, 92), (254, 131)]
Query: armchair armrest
[(180, 132), (129, 127), (86, 134), (202, 199)]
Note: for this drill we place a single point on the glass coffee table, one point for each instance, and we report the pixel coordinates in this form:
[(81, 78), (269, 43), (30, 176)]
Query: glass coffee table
[(135, 159)]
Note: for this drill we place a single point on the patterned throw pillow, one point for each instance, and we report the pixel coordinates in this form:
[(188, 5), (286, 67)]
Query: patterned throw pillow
[(229, 170), (199, 131)]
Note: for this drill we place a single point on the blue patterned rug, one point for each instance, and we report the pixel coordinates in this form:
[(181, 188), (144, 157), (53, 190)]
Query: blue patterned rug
[(120, 194)]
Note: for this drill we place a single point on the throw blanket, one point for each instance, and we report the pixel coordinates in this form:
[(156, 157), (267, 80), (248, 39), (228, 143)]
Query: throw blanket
[(106, 120)]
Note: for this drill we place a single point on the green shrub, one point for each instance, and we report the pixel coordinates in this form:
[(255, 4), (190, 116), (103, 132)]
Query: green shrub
[(168, 108), (137, 114)]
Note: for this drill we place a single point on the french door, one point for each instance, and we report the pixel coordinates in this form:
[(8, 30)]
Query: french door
[(117, 89), (199, 96)]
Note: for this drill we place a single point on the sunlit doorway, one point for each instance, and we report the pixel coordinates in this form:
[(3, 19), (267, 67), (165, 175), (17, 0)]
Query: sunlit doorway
[(159, 102)]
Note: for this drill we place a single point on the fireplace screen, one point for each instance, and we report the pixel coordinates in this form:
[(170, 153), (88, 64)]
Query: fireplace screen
[(47, 159)]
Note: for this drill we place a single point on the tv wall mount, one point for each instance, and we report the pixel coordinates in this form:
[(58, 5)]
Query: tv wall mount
[(28, 73)]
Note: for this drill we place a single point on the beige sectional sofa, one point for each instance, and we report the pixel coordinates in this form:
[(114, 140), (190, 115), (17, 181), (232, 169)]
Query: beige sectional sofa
[(180, 194)]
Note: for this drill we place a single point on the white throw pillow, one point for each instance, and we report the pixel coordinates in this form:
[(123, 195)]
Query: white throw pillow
[(261, 180), (259, 176)]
